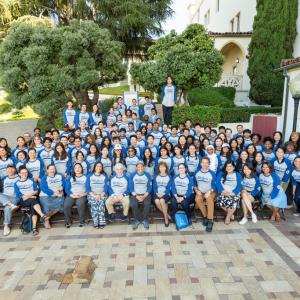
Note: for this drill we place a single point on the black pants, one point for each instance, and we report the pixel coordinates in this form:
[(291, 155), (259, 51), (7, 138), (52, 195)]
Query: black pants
[(137, 207), (167, 114)]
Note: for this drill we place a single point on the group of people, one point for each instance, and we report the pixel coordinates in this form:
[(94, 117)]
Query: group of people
[(130, 158)]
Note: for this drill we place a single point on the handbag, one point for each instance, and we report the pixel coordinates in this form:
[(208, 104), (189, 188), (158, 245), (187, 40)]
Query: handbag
[(181, 220)]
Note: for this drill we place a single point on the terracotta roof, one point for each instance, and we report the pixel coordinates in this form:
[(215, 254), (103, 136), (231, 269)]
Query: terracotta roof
[(290, 61), (233, 34)]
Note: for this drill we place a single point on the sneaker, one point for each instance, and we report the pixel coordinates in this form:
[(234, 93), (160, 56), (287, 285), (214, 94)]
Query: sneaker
[(205, 222), (254, 218), (81, 224), (146, 224), (209, 226), (123, 218), (6, 230), (68, 225), (243, 221), (296, 214), (135, 225), (111, 218)]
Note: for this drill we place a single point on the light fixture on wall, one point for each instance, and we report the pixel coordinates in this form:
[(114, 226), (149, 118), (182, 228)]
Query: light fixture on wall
[(295, 91), (237, 61)]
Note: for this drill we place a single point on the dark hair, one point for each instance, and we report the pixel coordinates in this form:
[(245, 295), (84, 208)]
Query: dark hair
[(23, 152), (269, 139), (98, 163), (103, 141), (73, 173), (280, 133), (122, 159), (150, 162), (97, 154), (163, 148), (224, 175), (51, 165), (252, 175), (256, 134), (63, 155), (97, 114), (269, 165), (47, 139)]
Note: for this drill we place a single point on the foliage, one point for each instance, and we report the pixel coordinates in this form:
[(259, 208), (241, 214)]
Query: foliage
[(269, 45), (133, 22), (44, 66), (211, 97), (205, 115), (106, 104), (189, 58), (213, 115), (243, 114), (5, 107), (228, 92)]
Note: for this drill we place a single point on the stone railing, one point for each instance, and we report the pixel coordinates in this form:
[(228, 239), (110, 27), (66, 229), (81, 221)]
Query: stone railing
[(235, 81)]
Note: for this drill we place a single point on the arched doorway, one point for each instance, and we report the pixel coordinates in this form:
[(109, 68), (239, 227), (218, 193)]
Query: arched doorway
[(233, 67)]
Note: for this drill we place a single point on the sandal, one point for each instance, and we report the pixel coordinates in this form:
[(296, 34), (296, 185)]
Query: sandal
[(44, 218), (35, 231)]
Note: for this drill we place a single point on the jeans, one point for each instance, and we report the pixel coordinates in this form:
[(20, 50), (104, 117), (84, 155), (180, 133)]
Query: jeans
[(7, 208), (81, 208), (138, 213), (167, 114)]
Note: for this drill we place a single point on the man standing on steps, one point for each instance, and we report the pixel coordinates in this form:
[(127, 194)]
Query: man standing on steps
[(169, 98)]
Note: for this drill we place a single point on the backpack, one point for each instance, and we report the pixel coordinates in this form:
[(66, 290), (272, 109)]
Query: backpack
[(26, 224), (181, 220)]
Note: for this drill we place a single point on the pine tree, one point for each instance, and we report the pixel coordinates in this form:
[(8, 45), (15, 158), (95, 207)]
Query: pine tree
[(274, 33)]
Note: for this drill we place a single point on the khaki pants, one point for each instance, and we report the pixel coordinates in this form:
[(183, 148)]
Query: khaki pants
[(110, 205), (209, 211)]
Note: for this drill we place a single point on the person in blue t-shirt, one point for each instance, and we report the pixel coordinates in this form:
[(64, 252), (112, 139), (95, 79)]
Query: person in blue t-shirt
[(76, 195), (140, 187), (205, 189), (52, 193), (8, 197), (272, 193), (250, 190), (26, 189), (229, 186), (295, 181), (97, 189), (182, 192)]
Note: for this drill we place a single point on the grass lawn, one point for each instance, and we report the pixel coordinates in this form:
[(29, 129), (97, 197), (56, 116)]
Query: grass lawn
[(118, 90), (10, 114)]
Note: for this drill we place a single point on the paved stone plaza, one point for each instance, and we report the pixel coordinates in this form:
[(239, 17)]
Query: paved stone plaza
[(259, 261)]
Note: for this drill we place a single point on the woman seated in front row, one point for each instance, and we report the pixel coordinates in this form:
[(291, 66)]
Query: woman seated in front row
[(229, 186), (272, 194), (182, 189), (26, 189), (52, 193)]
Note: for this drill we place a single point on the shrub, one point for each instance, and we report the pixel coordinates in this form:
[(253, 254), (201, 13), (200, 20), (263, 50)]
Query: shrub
[(106, 104), (198, 114), (213, 115), (5, 107), (243, 114), (228, 92), (211, 97)]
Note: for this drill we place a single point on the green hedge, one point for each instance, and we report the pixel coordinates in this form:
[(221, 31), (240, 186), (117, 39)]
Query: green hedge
[(201, 114), (106, 104), (213, 115), (243, 114), (221, 96)]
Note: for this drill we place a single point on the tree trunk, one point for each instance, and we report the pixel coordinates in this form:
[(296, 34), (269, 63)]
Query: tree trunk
[(95, 99), (84, 99)]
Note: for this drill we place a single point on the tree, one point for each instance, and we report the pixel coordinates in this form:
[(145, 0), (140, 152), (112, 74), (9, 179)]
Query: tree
[(189, 58), (274, 33), (44, 66), (133, 22)]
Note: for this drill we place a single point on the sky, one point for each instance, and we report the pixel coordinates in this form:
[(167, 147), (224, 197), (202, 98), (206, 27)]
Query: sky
[(180, 18)]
